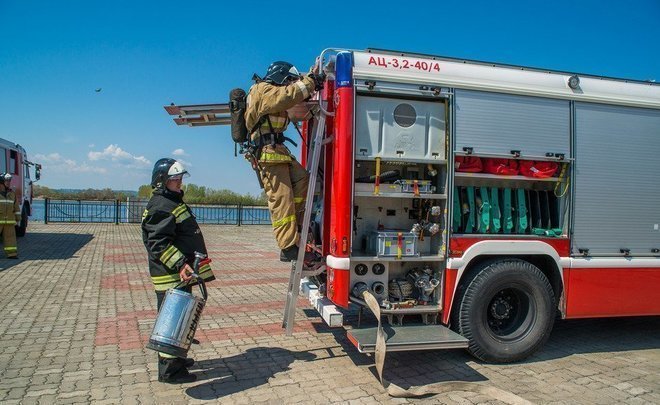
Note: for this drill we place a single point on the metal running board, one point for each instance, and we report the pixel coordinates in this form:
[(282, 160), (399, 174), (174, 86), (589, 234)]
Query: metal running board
[(297, 266), (406, 338)]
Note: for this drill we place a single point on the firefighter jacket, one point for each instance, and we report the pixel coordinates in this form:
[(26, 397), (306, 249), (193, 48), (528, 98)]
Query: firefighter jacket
[(270, 102), (10, 211), (172, 236)]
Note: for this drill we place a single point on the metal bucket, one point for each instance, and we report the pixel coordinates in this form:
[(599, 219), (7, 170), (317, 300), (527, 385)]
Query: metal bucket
[(177, 321)]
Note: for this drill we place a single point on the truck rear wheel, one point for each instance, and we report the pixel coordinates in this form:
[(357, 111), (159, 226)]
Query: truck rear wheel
[(507, 311), (21, 228)]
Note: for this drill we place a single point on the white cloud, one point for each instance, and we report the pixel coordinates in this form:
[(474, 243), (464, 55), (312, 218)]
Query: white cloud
[(185, 163), (179, 152), (58, 163), (116, 154), (91, 145)]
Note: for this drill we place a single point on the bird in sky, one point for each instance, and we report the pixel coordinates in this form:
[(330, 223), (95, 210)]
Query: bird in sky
[(98, 90)]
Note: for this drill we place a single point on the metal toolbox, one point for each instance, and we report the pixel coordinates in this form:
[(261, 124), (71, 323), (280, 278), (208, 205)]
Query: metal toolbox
[(386, 243), (423, 186)]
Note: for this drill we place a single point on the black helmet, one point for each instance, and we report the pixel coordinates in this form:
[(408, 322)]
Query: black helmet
[(279, 72), (165, 169)]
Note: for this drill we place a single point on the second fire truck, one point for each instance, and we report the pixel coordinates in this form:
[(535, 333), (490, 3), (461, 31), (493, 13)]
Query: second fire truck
[(14, 160)]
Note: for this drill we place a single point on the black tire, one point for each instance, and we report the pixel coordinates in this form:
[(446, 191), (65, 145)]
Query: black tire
[(507, 311), (22, 227)]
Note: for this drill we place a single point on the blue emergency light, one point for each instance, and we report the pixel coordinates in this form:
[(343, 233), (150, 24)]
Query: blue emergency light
[(344, 69)]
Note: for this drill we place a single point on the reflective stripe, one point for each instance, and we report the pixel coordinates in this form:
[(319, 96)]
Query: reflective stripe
[(6, 201), (303, 88), (166, 356), (17, 213), (7, 222), (178, 210), (164, 283), (276, 121), (181, 213), (11, 249), (298, 200), (168, 278), (144, 214), (182, 217), (205, 271), (170, 256), (274, 157), (284, 221)]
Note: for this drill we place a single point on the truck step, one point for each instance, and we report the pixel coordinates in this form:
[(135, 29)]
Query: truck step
[(328, 311), (410, 337)]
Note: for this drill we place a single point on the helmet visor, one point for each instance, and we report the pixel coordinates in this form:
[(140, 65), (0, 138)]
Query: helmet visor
[(177, 177)]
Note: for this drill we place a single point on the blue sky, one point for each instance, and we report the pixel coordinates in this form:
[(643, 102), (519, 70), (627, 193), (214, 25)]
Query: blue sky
[(146, 54)]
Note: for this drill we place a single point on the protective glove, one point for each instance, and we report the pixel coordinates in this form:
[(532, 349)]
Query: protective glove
[(319, 80)]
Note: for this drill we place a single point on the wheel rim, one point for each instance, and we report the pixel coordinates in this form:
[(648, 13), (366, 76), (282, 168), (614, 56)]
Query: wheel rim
[(511, 314)]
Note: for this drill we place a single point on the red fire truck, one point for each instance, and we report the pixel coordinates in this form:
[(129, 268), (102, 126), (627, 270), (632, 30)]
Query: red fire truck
[(13, 160), (477, 202)]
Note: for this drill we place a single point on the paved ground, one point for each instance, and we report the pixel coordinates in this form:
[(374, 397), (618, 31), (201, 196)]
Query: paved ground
[(78, 307)]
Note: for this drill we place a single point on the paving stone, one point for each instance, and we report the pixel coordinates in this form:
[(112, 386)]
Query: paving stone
[(79, 307)]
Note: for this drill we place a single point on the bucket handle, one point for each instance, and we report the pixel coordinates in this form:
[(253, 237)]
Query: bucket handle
[(195, 276)]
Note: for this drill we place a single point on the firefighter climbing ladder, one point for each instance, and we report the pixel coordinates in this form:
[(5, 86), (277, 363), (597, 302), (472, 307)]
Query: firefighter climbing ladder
[(297, 266)]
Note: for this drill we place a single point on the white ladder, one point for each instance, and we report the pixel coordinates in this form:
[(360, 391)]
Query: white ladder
[(297, 266)]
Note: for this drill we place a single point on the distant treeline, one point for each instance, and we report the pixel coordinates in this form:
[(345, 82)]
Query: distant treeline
[(89, 194), (194, 194)]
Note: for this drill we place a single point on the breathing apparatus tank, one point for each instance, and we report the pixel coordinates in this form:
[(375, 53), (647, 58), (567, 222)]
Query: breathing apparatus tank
[(237, 106)]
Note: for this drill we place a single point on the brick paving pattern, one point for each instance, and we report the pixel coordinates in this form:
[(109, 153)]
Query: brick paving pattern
[(78, 307)]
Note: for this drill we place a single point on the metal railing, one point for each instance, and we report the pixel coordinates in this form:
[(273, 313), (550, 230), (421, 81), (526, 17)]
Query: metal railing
[(130, 211)]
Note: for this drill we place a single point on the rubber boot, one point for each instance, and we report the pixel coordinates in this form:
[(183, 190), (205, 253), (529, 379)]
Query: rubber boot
[(173, 371), (291, 253)]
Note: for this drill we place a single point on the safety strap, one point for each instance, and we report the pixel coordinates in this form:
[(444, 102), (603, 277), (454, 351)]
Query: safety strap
[(508, 215), (495, 215), (484, 211), (469, 225), (437, 388), (456, 219), (521, 224), (560, 180)]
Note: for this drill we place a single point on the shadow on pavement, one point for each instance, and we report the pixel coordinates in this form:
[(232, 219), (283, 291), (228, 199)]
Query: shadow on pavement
[(578, 336), (416, 368), (47, 246), (569, 337), (237, 373)]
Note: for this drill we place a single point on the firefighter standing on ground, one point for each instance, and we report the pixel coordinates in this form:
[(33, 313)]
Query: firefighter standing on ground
[(172, 236), (10, 216), (284, 179)]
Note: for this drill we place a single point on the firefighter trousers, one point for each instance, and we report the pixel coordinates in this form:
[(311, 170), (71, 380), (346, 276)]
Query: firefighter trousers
[(9, 240), (285, 185)]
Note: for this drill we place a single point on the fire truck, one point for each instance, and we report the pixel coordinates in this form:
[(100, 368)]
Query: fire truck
[(475, 202), (13, 160)]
